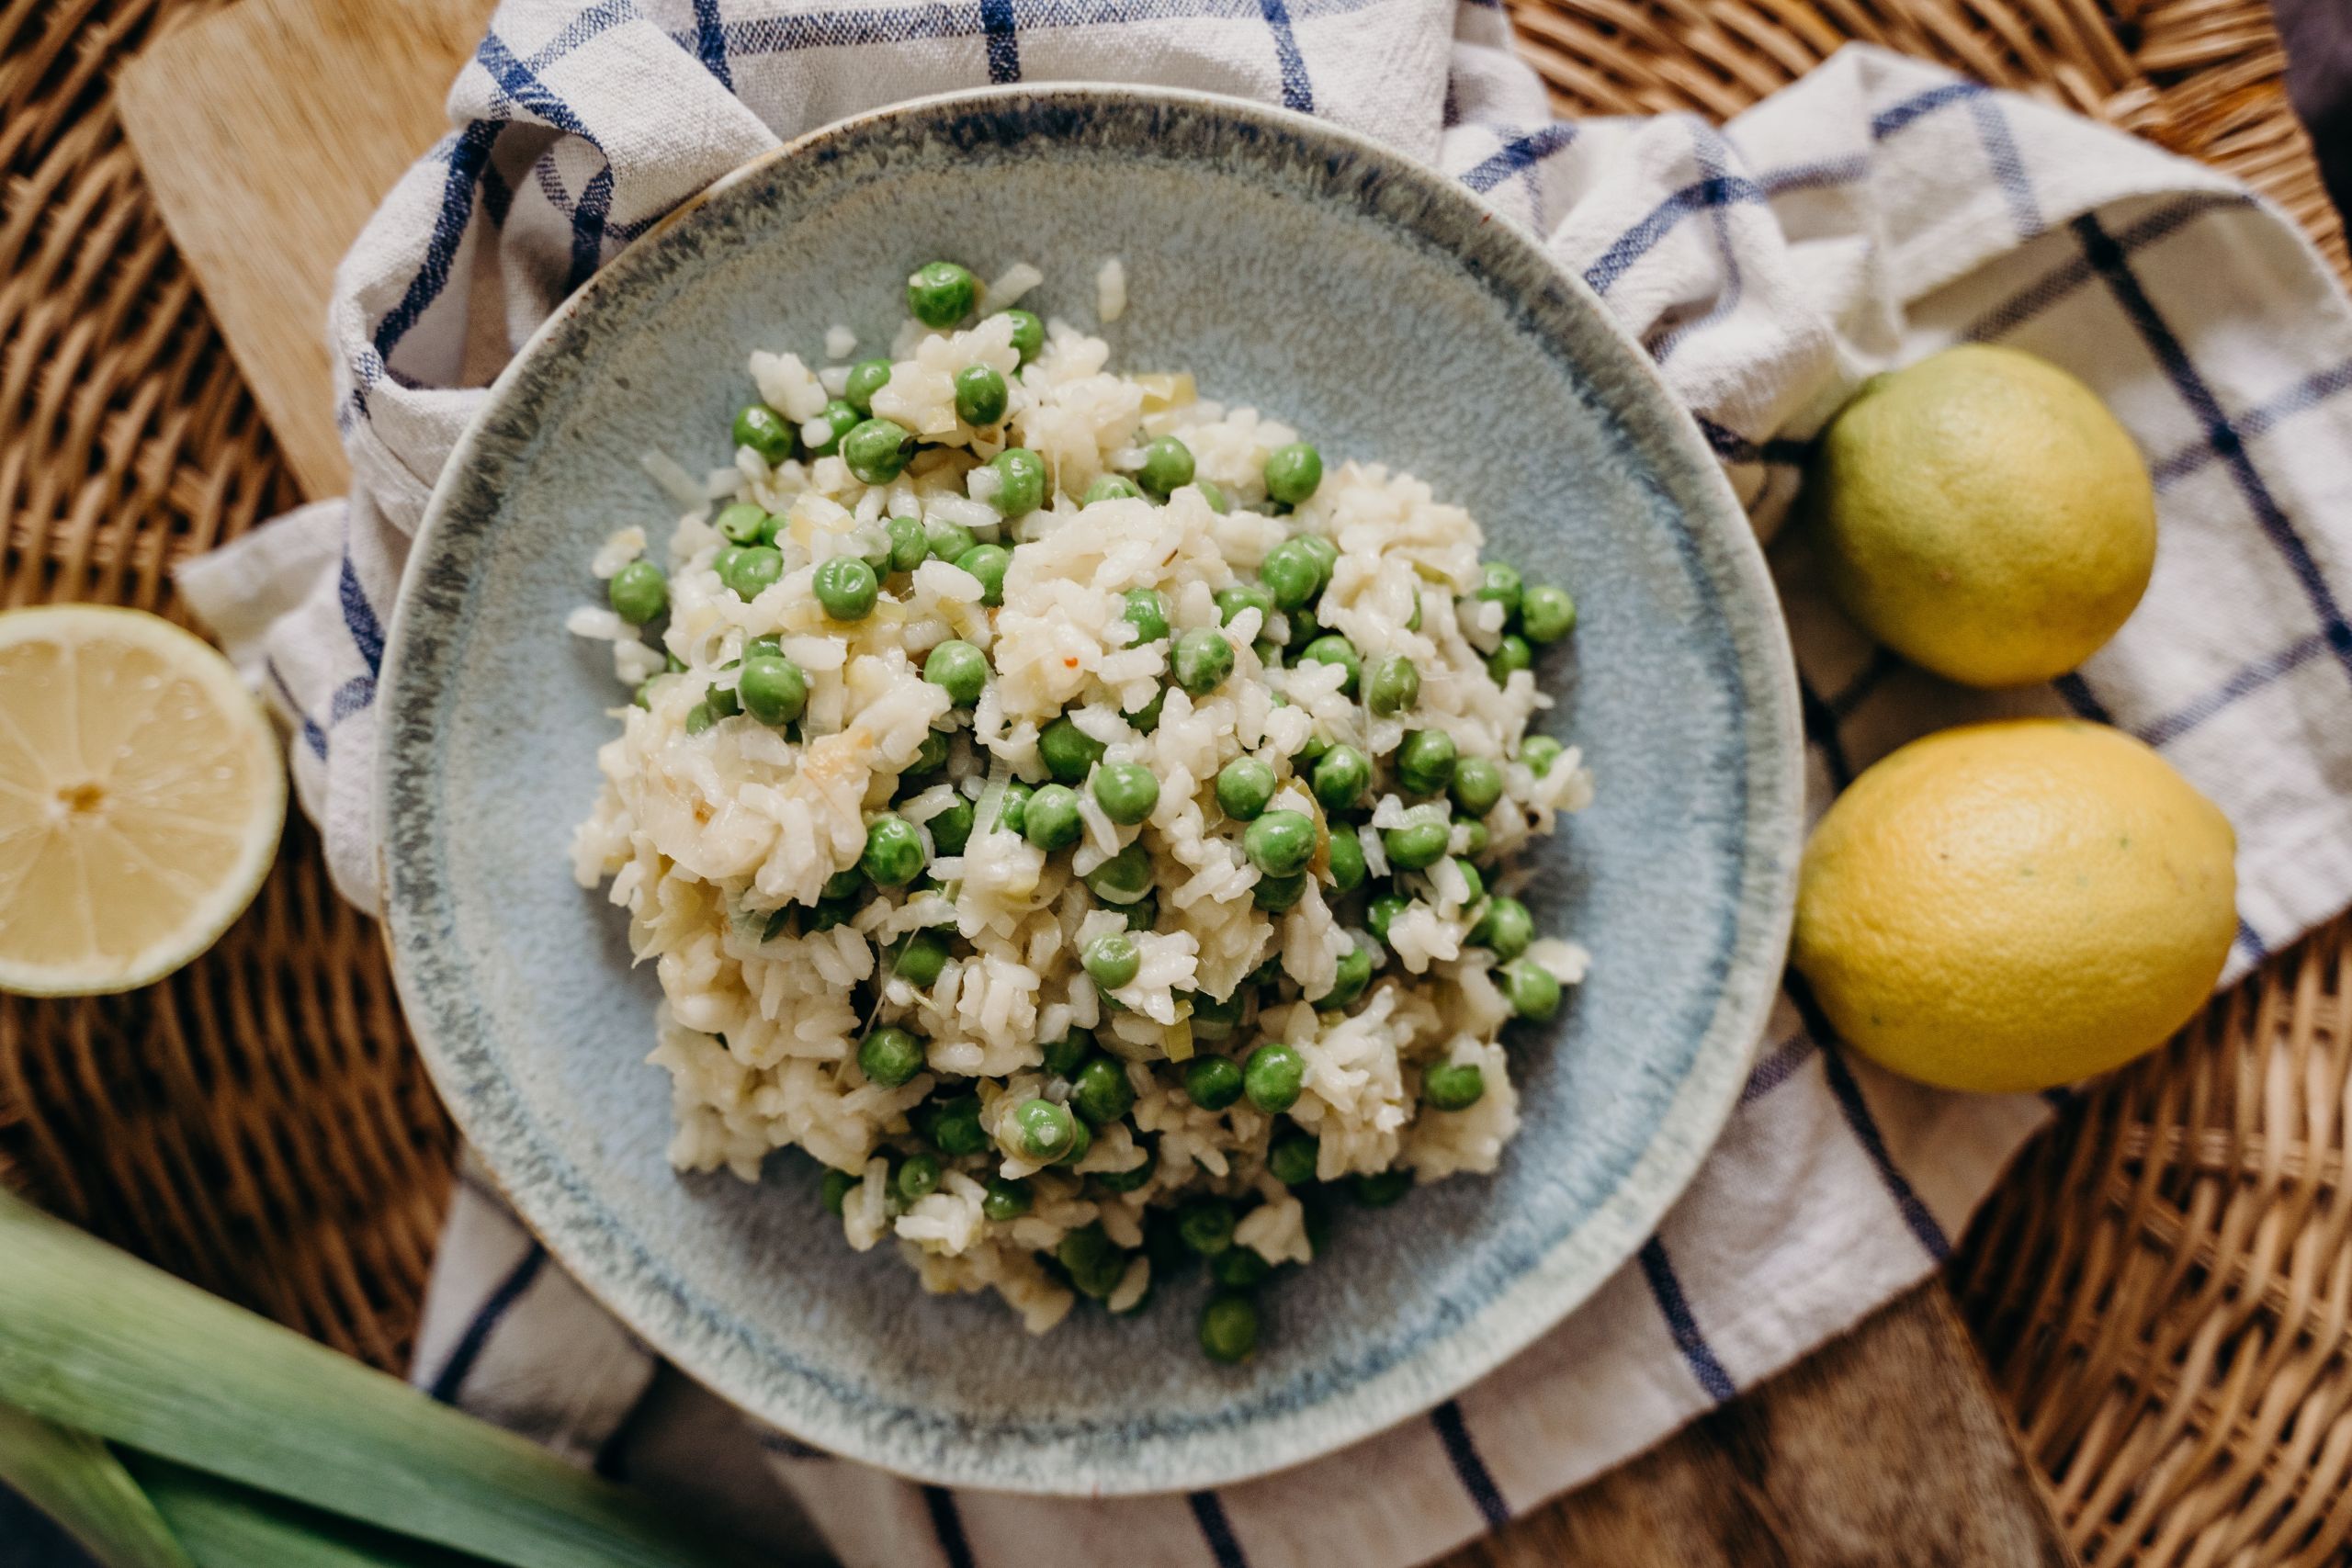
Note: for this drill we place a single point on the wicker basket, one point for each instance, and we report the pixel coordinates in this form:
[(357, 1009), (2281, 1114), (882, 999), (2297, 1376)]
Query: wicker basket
[(2162, 1286)]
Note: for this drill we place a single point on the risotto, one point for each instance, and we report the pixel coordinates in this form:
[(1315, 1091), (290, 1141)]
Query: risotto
[(1073, 816)]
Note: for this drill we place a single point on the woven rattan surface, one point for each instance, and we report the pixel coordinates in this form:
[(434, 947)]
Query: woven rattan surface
[(2162, 1287)]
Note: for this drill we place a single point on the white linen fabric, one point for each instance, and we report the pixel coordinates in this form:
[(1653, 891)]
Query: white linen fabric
[(1874, 212)]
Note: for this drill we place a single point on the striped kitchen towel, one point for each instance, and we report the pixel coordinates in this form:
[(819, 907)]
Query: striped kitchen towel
[(1877, 210)]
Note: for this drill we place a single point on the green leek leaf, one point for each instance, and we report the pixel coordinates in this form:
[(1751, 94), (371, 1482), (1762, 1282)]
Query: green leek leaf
[(93, 1340), (78, 1482), (224, 1525)]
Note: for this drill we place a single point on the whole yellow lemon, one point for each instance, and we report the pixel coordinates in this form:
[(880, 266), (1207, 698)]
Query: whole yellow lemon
[(1983, 515), (2015, 905)]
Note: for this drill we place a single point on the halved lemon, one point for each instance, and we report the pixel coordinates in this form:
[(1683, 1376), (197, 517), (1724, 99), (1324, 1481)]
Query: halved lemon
[(141, 795)]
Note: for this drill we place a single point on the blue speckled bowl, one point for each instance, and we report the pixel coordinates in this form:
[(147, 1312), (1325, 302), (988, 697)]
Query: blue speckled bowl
[(1387, 313)]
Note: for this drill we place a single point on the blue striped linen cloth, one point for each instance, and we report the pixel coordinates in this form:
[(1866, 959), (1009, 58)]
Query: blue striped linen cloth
[(1876, 210)]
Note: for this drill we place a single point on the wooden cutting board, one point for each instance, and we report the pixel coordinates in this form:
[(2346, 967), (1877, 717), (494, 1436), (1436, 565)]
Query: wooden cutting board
[(268, 132)]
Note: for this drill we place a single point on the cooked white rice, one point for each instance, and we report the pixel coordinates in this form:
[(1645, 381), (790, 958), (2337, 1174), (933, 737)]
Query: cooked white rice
[(719, 839)]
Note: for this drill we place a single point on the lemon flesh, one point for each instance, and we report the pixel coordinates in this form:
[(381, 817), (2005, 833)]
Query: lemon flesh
[(2013, 906), (141, 795), (1982, 514)]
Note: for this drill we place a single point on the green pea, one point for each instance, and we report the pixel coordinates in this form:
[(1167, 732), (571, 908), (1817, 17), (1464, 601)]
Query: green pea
[(1416, 845), (908, 547), (1126, 791), (1240, 1268), (958, 667), (1020, 482), (772, 689), (1453, 1086), (1129, 1180), (756, 648), (980, 396), (866, 378), (835, 1189), (1478, 784), (1292, 574), (843, 884), (1050, 820), (893, 852), (1028, 333), (644, 696), (951, 829), (1202, 661), (1396, 685), (742, 521), (930, 756), (1539, 752), (941, 293), (1065, 1056), (1346, 853), (1356, 974), (1243, 787), (1379, 1189), (724, 561), (1279, 843), (1293, 472), (1498, 584), (1425, 762), (876, 451), (1213, 1082), (921, 957), (1144, 913), (1510, 654), (846, 587), (1215, 495), (831, 912), (955, 1126), (764, 431), (1341, 774), (1275, 894), (1007, 1199), (1109, 487), (890, 1056), (1326, 554), (723, 702), (840, 419), (1310, 753), (917, 1177), (1546, 613), (1531, 988), (1273, 1076), (1146, 719), (948, 541), (1384, 909), (754, 570), (1229, 1329), (1111, 961), (1473, 836), (1147, 613), (1125, 877), (1043, 1130), (1167, 467), (1333, 648), (1068, 751), (1267, 976), (638, 592), (1291, 1155), (1231, 602), (1470, 876), (988, 563), (1092, 1261), (1205, 1225), (1100, 1092), (699, 717), (1014, 816), (1214, 1018)]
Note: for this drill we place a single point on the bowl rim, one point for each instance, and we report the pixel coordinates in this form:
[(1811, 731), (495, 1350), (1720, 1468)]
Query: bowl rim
[(1517, 1315)]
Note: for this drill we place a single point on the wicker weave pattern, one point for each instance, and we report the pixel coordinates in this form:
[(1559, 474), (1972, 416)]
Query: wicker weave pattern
[(2163, 1286)]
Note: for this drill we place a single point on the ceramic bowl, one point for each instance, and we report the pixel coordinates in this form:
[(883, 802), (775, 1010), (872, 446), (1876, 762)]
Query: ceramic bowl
[(1387, 313)]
